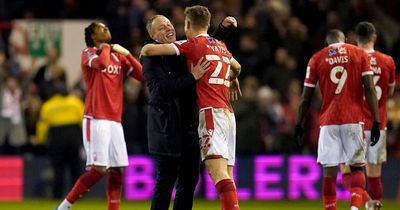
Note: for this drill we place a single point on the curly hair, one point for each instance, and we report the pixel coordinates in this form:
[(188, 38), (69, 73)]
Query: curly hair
[(89, 30)]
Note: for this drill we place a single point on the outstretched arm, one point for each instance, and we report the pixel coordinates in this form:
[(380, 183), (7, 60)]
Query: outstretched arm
[(158, 49), (225, 28)]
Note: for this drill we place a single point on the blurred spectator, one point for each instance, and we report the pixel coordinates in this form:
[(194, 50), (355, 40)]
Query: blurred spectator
[(278, 75), (12, 127), (248, 132), (134, 118), (59, 128), (49, 74)]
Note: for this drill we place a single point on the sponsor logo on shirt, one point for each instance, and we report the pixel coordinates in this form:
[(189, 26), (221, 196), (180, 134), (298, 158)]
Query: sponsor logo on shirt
[(112, 69)]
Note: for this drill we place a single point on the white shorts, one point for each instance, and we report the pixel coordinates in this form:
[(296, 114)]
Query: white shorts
[(217, 132), (377, 153), (104, 143), (341, 144)]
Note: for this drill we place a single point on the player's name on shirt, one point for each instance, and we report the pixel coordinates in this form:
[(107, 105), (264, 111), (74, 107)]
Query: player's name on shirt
[(217, 48), (373, 62), (337, 56)]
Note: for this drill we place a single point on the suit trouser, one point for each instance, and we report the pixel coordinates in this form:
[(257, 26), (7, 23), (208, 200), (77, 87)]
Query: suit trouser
[(184, 171)]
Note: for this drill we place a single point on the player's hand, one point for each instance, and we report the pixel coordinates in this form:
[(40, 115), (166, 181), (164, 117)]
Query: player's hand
[(375, 133), (229, 22), (234, 90), (202, 66), (298, 135), (119, 49)]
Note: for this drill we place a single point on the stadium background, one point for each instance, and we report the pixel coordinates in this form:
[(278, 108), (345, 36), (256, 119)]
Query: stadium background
[(273, 43)]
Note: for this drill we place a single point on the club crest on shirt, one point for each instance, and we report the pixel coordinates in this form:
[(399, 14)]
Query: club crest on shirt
[(332, 52), (211, 40)]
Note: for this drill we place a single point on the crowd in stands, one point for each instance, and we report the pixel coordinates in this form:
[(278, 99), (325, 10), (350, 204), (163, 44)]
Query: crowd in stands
[(274, 41)]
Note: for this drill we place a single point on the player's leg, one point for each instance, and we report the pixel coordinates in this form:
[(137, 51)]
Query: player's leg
[(97, 159), (188, 176), (329, 187), (376, 155), (330, 155), (166, 174), (214, 131), (217, 169), (346, 180), (354, 146), (117, 160)]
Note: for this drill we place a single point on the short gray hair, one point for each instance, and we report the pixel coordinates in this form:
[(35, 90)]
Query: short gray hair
[(335, 36), (150, 22)]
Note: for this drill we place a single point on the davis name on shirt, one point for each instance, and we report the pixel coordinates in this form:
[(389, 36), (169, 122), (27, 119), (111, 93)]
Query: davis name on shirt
[(339, 56)]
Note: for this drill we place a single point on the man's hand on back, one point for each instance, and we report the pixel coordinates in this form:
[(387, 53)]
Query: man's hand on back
[(202, 66)]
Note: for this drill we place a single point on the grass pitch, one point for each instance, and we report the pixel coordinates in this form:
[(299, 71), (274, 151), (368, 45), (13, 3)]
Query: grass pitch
[(87, 204)]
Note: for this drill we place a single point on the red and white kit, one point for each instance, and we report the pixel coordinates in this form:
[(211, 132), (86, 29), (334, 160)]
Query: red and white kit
[(103, 137), (217, 127), (338, 69), (384, 77)]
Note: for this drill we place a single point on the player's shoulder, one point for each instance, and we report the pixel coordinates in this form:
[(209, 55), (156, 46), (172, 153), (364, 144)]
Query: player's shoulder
[(382, 55), (89, 52)]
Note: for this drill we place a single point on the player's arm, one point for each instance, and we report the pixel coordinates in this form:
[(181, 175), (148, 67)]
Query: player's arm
[(225, 28), (102, 59), (158, 49), (392, 78), (135, 69), (236, 68), (370, 96), (305, 102)]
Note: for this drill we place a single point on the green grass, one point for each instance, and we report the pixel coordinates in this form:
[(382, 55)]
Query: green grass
[(198, 205)]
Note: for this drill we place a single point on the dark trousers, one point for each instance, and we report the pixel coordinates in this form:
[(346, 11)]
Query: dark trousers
[(184, 171), (64, 151)]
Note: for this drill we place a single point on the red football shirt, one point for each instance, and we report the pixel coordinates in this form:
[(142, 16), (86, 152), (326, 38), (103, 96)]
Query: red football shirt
[(213, 87), (339, 69), (103, 73), (384, 76)]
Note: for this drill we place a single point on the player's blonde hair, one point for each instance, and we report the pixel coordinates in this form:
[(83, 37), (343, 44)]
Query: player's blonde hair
[(199, 16)]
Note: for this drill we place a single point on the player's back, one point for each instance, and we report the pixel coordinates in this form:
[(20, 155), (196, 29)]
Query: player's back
[(384, 76), (213, 87), (339, 69)]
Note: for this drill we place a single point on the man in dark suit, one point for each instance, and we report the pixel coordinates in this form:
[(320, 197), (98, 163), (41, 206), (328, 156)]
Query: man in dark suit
[(172, 117)]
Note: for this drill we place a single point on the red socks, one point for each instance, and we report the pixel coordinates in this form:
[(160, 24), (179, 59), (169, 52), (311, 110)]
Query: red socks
[(346, 181), (83, 185), (114, 187), (227, 195), (375, 188), (357, 188), (329, 193)]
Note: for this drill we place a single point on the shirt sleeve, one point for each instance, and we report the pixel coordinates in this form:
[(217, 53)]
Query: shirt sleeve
[(311, 74), (96, 60), (365, 64), (183, 47), (392, 72), (131, 67)]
